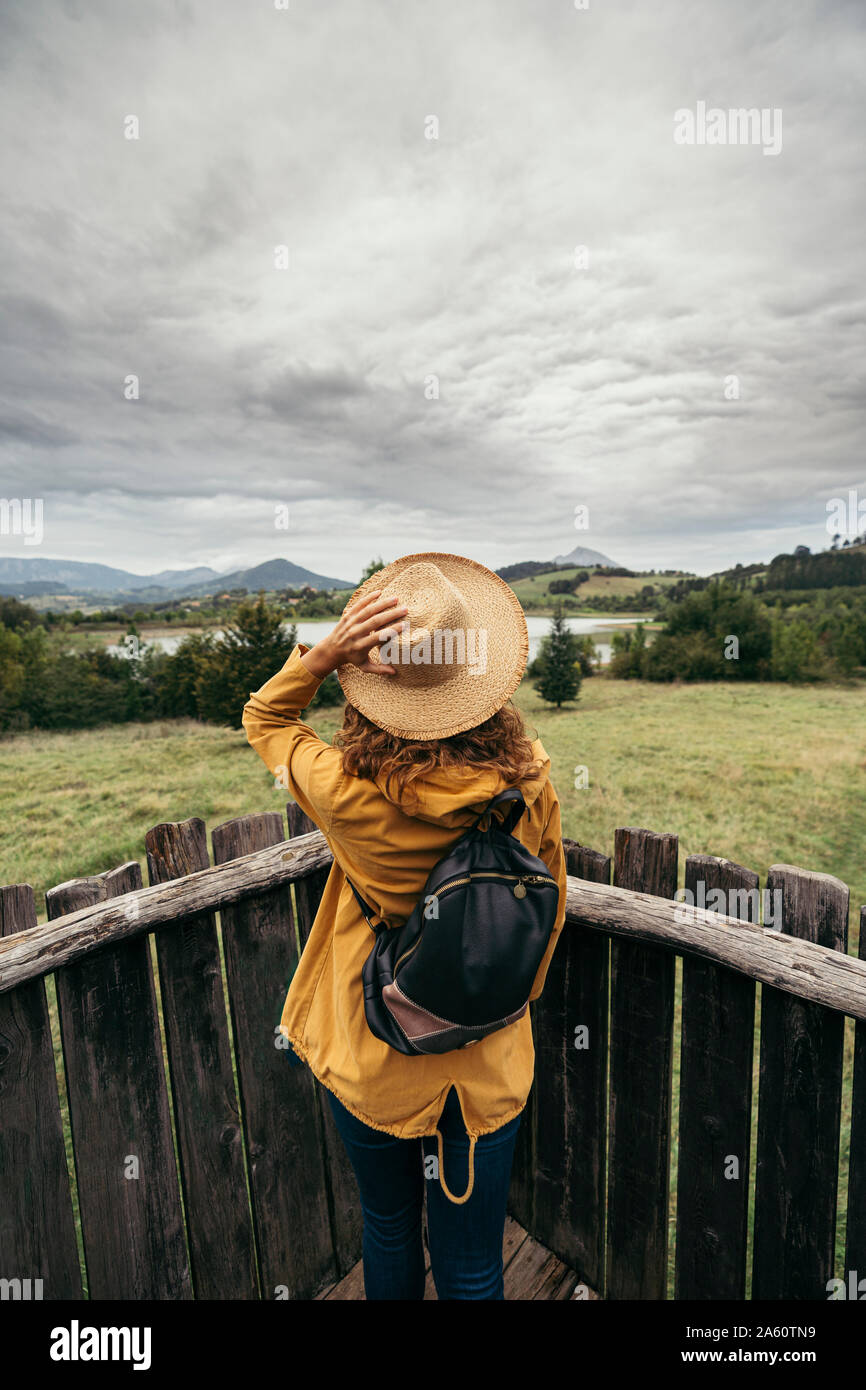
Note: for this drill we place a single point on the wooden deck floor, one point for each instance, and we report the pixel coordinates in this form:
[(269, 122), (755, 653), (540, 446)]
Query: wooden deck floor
[(531, 1271)]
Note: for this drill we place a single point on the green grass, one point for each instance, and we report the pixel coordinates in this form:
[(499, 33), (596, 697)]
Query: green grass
[(80, 802), (760, 774)]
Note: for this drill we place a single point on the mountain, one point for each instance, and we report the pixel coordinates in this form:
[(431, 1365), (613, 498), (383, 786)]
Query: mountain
[(80, 574), (582, 556), (272, 574), (25, 576), (168, 579)]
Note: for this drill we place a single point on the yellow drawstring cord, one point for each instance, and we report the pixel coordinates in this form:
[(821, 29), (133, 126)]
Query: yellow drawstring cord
[(468, 1193)]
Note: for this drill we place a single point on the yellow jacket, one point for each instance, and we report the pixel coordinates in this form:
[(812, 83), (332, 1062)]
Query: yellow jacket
[(388, 855)]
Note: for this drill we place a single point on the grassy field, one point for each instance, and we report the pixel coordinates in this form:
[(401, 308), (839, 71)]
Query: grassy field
[(760, 774), (533, 592)]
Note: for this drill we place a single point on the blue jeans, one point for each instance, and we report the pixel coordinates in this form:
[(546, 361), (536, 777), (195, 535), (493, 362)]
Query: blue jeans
[(465, 1240)]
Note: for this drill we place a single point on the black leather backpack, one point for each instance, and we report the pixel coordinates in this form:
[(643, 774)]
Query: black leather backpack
[(464, 963)]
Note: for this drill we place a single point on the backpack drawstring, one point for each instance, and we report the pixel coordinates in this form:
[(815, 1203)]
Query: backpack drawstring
[(468, 1193)]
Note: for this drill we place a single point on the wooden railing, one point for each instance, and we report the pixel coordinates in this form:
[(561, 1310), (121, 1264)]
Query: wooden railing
[(188, 1159)]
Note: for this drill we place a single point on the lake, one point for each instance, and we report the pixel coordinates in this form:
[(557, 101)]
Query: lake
[(600, 629)]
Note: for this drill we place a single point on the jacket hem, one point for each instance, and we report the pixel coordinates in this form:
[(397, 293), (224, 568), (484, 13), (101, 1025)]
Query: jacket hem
[(303, 1053)]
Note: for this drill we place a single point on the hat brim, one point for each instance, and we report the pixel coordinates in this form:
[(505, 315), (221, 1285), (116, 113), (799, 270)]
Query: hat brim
[(463, 699)]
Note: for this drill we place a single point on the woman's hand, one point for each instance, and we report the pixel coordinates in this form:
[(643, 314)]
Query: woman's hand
[(366, 623)]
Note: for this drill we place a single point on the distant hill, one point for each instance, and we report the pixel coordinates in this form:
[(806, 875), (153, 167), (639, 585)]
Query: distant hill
[(75, 575), (582, 556), (274, 574), (24, 576), (166, 579), (524, 570)]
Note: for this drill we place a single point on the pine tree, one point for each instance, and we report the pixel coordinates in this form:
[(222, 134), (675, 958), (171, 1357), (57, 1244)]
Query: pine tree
[(252, 649), (560, 679)]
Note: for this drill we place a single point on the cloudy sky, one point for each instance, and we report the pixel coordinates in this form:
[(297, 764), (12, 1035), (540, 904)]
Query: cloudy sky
[(435, 367)]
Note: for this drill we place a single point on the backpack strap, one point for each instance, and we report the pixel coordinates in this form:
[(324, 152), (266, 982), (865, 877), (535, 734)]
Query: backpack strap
[(512, 794), (364, 908)]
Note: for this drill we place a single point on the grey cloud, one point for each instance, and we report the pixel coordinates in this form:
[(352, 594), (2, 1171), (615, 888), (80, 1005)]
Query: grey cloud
[(29, 430), (412, 258)]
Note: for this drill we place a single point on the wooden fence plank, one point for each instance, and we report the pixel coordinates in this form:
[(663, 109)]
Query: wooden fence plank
[(345, 1202), (521, 1191), (524, 1171), (285, 1145), (799, 1106), (570, 1089), (209, 1136), (641, 1048), (855, 1235), (37, 1231), (131, 1216), (718, 1026)]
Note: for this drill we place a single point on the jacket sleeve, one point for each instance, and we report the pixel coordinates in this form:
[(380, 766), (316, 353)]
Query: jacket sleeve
[(310, 769), (552, 853)]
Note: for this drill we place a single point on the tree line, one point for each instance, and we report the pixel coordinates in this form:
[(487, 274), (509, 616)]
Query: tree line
[(44, 685), (720, 632)]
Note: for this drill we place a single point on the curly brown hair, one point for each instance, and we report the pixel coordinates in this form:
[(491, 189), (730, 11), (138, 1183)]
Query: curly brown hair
[(500, 743)]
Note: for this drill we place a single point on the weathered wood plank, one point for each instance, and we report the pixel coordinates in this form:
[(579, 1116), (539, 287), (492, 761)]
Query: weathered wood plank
[(641, 1052), (285, 1146), (799, 1107), (209, 1137), (350, 1287), (571, 1089), (556, 1283), (131, 1216), (37, 1231), (528, 1270), (855, 1234), (718, 1026), (801, 968), (513, 1237), (344, 1198), (521, 1190)]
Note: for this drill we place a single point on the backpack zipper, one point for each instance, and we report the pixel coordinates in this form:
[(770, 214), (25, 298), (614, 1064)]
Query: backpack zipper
[(485, 873), (493, 873), (455, 882)]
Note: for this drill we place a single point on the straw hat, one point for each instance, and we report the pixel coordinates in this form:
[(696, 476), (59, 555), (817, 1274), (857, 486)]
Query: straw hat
[(459, 661)]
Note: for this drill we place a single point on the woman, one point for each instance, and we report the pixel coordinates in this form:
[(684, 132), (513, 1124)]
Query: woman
[(428, 651)]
